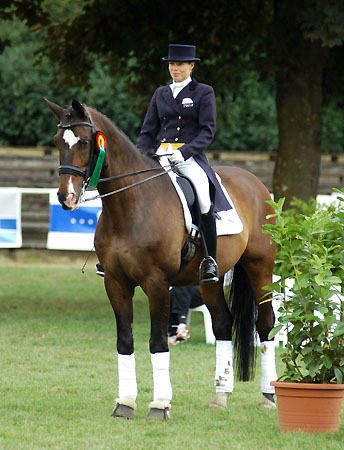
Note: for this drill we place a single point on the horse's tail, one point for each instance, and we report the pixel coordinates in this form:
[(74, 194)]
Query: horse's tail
[(243, 307)]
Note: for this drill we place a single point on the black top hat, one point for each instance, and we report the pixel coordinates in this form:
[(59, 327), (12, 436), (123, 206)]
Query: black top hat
[(178, 52)]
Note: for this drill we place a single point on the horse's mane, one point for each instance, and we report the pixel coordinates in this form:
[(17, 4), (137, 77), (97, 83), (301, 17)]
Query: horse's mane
[(126, 141)]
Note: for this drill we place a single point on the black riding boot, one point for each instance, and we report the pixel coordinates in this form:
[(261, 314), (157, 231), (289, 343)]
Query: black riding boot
[(208, 270)]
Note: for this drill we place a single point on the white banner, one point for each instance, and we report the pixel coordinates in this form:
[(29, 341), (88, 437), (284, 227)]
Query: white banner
[(73, 230), (10, 218)]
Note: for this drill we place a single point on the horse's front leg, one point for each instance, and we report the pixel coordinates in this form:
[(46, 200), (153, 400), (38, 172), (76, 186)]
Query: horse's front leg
[(159, 304), (121, 299), (222, 322)]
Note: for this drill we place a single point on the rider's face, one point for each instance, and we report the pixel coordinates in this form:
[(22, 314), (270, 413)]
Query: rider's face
[(180, 71)]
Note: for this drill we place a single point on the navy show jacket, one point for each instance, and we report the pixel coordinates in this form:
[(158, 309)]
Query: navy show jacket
[(190, 118)]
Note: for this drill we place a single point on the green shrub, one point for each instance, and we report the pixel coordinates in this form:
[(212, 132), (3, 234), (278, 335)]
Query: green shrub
[(309, 250)]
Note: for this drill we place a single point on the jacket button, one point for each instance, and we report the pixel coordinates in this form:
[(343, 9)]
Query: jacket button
[(176, 139), (179, 117), (178, 128)]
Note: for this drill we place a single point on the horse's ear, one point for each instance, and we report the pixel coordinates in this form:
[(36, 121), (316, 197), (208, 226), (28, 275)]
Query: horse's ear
[(56, 109), (78, 108)]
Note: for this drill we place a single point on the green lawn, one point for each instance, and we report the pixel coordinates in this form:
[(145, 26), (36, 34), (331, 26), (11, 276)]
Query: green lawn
[(58, 375)]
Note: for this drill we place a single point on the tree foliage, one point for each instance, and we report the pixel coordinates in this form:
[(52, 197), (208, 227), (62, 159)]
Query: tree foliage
[(299, 44), (246, 115)]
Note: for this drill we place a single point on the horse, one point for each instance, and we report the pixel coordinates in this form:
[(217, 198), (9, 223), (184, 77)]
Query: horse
[(138, 241)]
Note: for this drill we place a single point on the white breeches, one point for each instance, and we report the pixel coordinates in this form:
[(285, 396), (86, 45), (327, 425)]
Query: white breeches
[(196, 174)]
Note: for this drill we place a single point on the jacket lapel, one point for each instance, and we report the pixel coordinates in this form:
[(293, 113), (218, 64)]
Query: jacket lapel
[(186, 92), (168, 97), (167, 94)]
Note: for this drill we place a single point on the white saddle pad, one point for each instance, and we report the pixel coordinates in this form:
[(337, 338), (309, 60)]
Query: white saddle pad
[(229, 222)]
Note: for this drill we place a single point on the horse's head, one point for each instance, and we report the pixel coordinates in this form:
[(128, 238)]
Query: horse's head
[(76, 141)]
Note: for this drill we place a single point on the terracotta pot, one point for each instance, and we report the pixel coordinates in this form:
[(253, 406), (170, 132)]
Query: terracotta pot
[(309, 407)]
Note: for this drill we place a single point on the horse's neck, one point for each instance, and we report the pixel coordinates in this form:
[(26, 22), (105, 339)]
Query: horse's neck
[(121, 154), (122, 157)]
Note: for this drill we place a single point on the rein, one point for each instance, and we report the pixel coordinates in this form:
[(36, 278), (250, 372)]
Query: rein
[(118, 177), (130, 185)]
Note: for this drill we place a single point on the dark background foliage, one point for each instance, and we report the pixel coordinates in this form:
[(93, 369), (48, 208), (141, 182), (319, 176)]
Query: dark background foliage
[(118, 87), (276, 68)]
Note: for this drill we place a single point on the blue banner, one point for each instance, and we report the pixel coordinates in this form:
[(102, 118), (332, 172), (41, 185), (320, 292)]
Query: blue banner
[(73, 230), (10, 218)]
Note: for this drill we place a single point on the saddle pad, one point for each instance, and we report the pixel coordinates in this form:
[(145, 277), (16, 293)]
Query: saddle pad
[(229, 222)]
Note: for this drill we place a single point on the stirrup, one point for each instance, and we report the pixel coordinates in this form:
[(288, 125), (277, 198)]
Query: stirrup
[(100, 270), (211, 272)]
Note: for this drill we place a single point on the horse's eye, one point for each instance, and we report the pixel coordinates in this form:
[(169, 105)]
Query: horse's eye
[(83, 143)]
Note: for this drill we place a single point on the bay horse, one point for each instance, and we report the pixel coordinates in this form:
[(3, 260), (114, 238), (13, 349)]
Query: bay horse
[(138, 240)]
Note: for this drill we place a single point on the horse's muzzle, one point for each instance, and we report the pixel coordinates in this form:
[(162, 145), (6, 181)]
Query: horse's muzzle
[(62, 199)]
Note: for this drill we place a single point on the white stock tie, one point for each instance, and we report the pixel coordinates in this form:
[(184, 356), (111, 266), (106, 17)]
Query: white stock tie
[(176, 88)]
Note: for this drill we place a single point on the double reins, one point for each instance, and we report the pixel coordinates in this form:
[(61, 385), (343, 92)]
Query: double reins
[(130, 185), (86, 175)]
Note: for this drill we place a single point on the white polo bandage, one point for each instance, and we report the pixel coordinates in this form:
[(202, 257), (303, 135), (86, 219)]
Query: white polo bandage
[(161, 376), (268, 367), (127, 386), (224, 375)]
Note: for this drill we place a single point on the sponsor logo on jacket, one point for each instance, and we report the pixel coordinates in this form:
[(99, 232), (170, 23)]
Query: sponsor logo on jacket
[(187, 102)]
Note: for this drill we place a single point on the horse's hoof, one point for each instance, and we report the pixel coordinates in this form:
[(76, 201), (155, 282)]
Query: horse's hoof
[(267, 401), (220, 400), (159, 414), (124, 411), (159, 410)]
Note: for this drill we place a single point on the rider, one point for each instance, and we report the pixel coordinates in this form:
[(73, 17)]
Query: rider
[(183, 113)]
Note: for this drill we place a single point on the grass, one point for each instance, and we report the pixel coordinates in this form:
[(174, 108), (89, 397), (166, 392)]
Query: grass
[(58, 375)]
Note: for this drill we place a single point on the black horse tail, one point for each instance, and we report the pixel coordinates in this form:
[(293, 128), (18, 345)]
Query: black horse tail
[(242, 303)]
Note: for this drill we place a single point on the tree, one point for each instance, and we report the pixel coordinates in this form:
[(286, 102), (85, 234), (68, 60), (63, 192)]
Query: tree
[(294, 40), (305, 35), (26, 122)]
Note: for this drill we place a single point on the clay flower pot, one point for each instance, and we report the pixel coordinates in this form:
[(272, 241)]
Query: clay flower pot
[(309, 407)]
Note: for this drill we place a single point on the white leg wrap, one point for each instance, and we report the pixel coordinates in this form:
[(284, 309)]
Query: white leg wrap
[(224, 376), (161, 377), (127, 387), (268, 368)]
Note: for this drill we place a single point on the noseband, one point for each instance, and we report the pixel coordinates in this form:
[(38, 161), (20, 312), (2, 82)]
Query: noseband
[(91, 174)]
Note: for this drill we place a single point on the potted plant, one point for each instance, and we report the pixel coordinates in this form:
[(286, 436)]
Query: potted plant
[(310, 263)]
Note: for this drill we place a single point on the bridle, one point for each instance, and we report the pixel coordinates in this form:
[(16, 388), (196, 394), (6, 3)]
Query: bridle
[(91, 175)]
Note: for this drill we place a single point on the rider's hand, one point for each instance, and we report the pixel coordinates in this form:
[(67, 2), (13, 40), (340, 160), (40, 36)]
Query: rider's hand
[(176, 157)]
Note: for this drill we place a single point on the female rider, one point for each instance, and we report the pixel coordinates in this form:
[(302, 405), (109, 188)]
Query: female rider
[(183, 114)]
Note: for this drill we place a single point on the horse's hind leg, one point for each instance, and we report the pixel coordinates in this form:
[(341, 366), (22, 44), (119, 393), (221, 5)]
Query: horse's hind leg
[(120, 295), (260, 274), (213, 297)]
